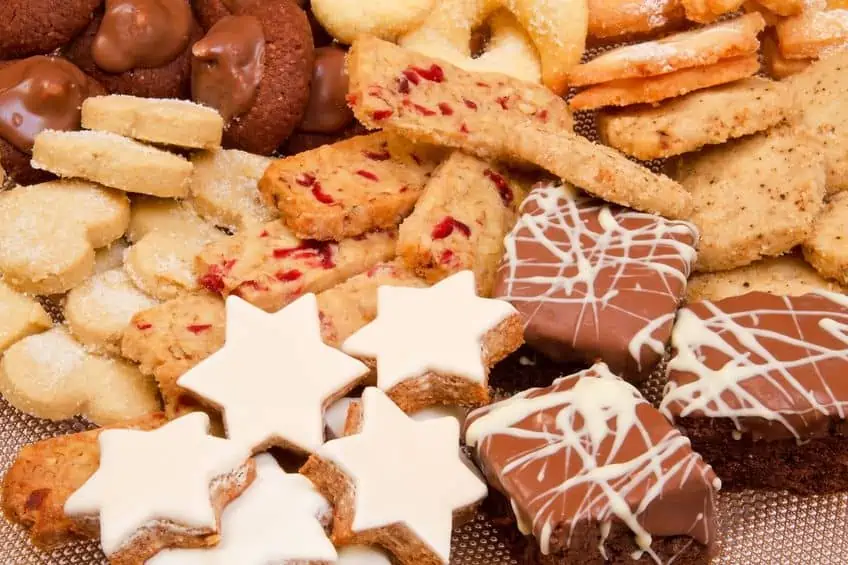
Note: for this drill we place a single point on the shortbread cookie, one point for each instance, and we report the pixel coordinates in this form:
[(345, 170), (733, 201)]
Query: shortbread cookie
[(169, 339), (170, 122), (45, 473), (706, 11), (776, 65), (662, 87), (576, 265), (269, 267), (224, 188), (820, 94), (696, 48), (112, 160), (50, 375), (271, 405), (787, 275), (612, 19), (20, 316), (98, 311), (397, 483), (381, 18), (827, 247), (755, 197), (706, 117), (161, 488), (48, 233), (495, 117), (812, 33), (436, 345), (110, 257), (358, 185), (460, 222), (280, 518), (149, 214)]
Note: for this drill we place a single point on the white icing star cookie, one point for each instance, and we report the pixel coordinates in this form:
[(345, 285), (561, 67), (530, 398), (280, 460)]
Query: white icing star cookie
[(278, 519), (274, 376), (437, 343), (160, 482)]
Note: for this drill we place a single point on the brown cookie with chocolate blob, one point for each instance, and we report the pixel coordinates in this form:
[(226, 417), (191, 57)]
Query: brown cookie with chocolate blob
[(151, 61), (254, 66), (30, 27), (327, 111)]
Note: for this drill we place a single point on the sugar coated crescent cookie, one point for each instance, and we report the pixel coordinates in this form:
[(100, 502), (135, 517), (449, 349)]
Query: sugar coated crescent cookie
[(557, 31), (826, 248), (386, 19)]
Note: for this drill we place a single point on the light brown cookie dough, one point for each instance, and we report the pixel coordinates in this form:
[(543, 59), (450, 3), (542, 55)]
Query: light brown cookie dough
[(827, 247), (149, 214), (20, 316)]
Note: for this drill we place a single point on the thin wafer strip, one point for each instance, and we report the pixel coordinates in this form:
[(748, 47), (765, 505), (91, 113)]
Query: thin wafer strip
[(495, 117)]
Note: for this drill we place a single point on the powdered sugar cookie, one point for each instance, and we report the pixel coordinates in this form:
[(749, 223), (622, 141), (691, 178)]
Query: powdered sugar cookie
[(812, 33), (224, 188), (48, 233), (706, 11), (612, 19), (142, 502), (110, 257), (113, 161), (50, 375), (407, 502), (826, 249), (381, 18), (170, 122), (436, 345), (149, 214), (98, 311), (20, 316)]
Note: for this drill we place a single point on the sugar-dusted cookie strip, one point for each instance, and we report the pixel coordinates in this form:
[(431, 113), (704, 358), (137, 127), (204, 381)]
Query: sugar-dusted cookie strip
[(576, 265), (21, 316), (706, 11), (827, 247), (611, 19), (786, 7), (758, 382), (466, 210), (358, 185), (269, 267), (812, 33), (169, 122), (706, 117), (755, 197), (495, 117), (585, 491), (113, 161), (45, 473), (648, 90), (776, 65)]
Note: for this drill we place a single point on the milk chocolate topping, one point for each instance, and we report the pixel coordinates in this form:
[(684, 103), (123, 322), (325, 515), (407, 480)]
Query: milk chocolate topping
[(141, 34), (328, 111), (227, 65), (40, 93)]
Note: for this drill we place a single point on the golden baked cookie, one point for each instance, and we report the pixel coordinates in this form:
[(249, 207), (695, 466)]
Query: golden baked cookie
[(20, 316), (827, 247)]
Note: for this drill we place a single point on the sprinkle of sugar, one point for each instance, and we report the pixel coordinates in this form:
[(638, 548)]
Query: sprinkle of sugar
[(56, 351)]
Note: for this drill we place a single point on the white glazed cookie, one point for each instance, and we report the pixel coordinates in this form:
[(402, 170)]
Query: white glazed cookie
[(20, 316), (48, 233)]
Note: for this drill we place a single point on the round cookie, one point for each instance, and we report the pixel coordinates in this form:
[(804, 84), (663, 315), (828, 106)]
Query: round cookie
[(41, 26), (254, 66), (127, 63)]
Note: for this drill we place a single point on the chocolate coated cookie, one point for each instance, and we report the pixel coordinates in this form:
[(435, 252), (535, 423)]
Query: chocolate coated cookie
[(254, 65), (29, 27)]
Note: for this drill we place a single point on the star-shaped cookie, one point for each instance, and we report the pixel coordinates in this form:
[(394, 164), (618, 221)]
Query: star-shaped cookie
[(166, 476), (404, 472), (274, 376), (277, 520)]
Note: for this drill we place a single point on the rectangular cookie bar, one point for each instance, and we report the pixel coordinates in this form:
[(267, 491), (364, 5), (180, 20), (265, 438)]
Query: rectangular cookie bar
[(596, 474), (460, 221), (758, 383)]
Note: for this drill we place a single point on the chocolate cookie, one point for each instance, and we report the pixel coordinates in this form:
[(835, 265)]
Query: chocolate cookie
[(151, 61), (38, 93), (29, 27), (254, 66)]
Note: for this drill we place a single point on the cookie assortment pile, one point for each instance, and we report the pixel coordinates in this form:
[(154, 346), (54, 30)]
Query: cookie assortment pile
[(285, 326)]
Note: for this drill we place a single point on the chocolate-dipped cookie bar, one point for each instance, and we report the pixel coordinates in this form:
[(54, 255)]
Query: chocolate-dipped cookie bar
[(760, 384)]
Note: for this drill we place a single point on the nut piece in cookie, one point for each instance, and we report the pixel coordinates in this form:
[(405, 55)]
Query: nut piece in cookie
[(362, 184), (48, 233), (45, 473), (50, 375), (754, 197), (495, 117), (435, 346), (162, 488), (397, 483), (22, 316), (31, 27), (827, 247), (254, 66), (460, 221)]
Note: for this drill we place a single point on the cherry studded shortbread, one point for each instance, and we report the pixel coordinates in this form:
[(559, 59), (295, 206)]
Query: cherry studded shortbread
[(436, 345), (397, 483), (161, 488), (278, 519), (591, 468), (758, 382), (575, 267), (274, 404)]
